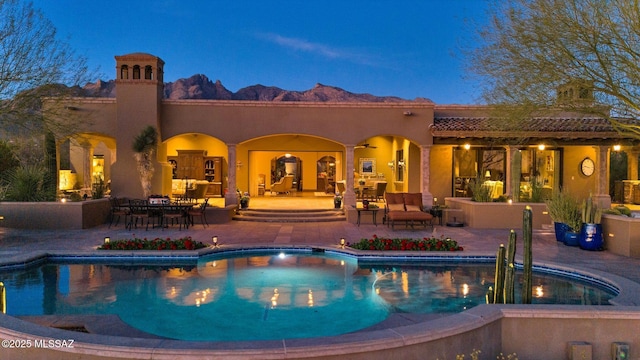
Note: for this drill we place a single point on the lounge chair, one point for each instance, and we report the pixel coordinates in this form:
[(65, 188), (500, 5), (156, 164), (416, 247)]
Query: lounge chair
[(405, 207), (283, 186)]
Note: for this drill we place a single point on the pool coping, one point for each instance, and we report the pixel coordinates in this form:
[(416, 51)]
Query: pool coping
[(625, 306)]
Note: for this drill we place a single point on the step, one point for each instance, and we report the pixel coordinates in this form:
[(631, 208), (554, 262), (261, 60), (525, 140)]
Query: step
[(290, 215)]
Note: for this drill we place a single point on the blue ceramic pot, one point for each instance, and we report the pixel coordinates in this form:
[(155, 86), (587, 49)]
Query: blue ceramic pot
[(591, 237), (571, 238), (560, 229)]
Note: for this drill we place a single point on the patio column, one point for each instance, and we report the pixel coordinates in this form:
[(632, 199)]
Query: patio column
[(349, 194), (632, 163), (425, 175), (601, 197), (87, 169), (230, 197), (508, 188)]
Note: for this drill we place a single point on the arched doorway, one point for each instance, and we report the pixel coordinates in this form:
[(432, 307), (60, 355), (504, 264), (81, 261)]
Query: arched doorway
[(287, 164), (326, 173)]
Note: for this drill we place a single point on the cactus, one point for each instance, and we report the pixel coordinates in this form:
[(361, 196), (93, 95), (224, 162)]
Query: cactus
[(591, 214), (527, 233), (499, 277), (510, 274)]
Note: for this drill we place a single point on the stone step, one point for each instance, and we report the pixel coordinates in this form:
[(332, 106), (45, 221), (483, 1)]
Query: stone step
[(290, 215)]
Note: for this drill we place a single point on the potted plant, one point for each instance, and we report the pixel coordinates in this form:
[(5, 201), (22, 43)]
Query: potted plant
[(563, 208), (591, 230), (337, 201), (244, 200), (574, 224)]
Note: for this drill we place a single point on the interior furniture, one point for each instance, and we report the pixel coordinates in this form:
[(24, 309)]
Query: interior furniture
[(199, 192), (405, 207), (283, 185), (340, 187), (179, 187), (380, 188), (195, 164), (261, 184)]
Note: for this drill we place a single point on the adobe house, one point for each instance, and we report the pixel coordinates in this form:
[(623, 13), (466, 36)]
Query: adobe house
[(248, 145)]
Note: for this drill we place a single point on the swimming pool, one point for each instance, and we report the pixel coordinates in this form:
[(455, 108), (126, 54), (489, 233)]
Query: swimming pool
[(267, 295)]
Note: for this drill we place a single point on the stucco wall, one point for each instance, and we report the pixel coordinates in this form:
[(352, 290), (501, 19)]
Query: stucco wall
[(54, 215), (499, 215)]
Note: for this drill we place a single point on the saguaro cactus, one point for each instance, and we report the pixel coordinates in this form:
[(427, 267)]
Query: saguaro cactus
[(510, 273), (527, 232), (499, 277)]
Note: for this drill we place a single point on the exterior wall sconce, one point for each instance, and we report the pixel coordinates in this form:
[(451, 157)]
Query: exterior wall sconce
[(391, 164), (616, 147), (467, 146), (401, 163), (239, 164), (541, 147), (407, 113)]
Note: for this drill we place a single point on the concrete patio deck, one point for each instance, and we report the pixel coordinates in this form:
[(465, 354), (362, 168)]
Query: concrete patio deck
[(21, 244)]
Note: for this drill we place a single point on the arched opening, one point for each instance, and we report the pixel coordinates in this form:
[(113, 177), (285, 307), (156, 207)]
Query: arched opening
[(124, 72), (136, 72), (326, 173), (148, 72)]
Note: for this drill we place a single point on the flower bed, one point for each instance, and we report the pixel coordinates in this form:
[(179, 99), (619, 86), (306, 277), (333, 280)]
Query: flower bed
[(185, 243), (397, 244)]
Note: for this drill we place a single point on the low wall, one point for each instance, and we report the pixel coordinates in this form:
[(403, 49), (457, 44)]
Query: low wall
[(54, 215), (621, 235), (498, 215), (532, 332)]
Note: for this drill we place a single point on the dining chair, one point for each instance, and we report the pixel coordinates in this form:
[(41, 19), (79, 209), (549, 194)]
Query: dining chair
[(139, 209), (171, 214), (119, 208), (199, 211)]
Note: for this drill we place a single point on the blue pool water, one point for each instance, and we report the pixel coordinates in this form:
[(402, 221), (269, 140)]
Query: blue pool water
[(266, 296)]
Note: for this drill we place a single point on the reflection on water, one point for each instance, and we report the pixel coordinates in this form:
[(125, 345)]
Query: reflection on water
[(265, 296)]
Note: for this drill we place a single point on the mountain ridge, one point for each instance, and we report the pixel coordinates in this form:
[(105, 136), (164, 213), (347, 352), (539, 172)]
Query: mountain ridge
[(199, 86)]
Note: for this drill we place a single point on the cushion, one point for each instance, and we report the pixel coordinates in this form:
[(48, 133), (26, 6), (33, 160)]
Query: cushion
[(413, 207), (413, 199), (394, 198), (395, 207)]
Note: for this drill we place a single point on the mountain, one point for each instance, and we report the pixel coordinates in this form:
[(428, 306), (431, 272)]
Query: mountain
[(200, 87)]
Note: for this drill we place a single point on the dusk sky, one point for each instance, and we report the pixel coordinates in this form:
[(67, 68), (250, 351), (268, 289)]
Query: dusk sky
[(398, 48)]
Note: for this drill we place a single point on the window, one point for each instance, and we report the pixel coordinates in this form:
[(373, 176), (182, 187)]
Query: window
[(136, 71), (148, 72), (124, 72)]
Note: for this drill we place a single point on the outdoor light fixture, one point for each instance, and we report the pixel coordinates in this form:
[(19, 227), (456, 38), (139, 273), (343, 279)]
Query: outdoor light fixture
[(107, 240), (401, 163), (214, 240), (435, 201), (467, 146), (342, 243), (616, 147), (541, 147), (391, 164)]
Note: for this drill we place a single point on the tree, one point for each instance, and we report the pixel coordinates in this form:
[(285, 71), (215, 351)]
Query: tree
[(34, 63), (530, 48), (144, 146)]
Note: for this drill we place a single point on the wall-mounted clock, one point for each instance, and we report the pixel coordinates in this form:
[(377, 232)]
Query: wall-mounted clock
[(587, 167)]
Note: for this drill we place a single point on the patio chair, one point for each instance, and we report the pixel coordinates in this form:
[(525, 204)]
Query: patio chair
[(119, 208), (139, 210), (173, 213), (199, 211), (381, 187)]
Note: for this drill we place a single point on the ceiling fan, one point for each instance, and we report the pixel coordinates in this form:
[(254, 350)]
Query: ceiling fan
[(366, 145)]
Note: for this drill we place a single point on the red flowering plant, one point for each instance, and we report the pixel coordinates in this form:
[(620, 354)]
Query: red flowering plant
[(398, 244), (185, 243)]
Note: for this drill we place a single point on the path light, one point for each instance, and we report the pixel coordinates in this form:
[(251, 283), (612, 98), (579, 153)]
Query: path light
[(342, 243), (214, 240), (107, 240)]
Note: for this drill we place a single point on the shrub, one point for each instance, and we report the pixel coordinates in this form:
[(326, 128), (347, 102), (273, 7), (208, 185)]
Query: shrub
[(29, 183), (185, 243), (398, 244)]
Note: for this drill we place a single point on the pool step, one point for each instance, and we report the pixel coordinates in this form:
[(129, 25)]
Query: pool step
[(290, 215)]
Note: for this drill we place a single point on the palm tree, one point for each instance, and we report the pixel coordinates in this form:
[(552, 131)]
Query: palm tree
[(144, 145)]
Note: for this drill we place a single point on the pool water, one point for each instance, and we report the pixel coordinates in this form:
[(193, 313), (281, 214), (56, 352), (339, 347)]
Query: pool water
[(266, 296)]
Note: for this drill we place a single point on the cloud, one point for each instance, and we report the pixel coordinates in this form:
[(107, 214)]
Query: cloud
[(317, 48)]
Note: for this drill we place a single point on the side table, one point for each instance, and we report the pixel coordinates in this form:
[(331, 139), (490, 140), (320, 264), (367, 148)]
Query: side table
[(372, 211)]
